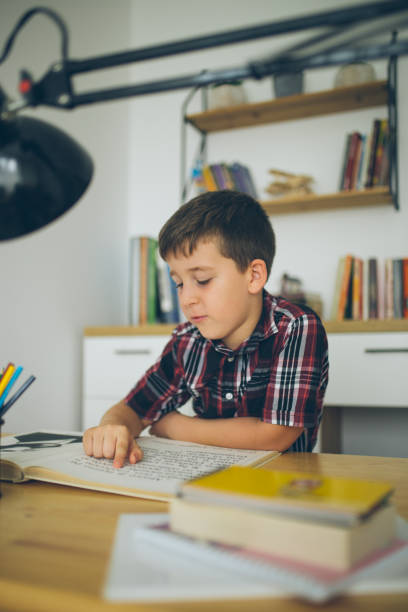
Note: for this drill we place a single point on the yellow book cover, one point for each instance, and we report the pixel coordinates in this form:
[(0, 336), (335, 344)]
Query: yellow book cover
[(294, 493), (209, 180)]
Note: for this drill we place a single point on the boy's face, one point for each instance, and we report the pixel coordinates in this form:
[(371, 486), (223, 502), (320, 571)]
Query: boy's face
[(215, 295)]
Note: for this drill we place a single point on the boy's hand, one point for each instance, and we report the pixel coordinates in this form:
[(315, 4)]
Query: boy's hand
[(112, 442)]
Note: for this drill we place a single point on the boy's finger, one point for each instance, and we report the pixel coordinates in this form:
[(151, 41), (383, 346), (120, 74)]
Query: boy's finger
[(87, 442), (120, 453), (135, 452)]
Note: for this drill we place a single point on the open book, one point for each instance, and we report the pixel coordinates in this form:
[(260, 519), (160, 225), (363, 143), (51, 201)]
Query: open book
[(59, 457)]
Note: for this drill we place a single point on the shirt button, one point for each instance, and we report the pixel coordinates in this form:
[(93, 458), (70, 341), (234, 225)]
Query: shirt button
[(228, 396), (230, 359)]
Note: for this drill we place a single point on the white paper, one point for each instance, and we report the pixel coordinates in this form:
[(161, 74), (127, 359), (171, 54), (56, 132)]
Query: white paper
[(141, 572)]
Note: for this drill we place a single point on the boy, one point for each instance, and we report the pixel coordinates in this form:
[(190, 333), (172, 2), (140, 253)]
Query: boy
[(242, 352)]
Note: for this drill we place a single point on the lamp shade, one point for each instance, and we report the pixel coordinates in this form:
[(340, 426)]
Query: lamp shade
[(43, 172)]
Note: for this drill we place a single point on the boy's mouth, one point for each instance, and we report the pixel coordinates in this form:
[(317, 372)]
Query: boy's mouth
[(198, 318)]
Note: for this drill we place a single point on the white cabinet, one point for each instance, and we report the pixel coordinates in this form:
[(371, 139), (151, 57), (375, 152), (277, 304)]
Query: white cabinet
[(368, 376), (112, 365), (368, 369)]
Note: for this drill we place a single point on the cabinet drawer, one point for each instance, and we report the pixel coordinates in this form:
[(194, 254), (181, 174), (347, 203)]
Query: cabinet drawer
[(368, 369), (113, 365)]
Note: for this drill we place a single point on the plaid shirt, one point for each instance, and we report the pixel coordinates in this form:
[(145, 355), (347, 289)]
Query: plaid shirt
[(279, 374)]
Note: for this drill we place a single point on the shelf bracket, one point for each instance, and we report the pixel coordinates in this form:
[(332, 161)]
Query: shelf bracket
[(186, 178), (393, 126)]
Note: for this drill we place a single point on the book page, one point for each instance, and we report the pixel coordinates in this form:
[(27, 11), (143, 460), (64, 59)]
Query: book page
[(165, 465)]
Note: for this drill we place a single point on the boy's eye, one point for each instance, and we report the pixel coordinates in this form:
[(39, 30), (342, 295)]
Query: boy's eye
[(204, 282), (179, 285)]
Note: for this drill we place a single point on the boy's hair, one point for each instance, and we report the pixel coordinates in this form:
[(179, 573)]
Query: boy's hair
[(238, 223)]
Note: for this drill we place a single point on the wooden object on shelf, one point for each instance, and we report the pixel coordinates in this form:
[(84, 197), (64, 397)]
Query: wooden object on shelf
[(157, 329), (332, 327), (368, 326), (325, 102), (376, 196), (289, 184)]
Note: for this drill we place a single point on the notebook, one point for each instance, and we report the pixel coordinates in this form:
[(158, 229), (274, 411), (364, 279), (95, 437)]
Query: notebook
[(150, 563)]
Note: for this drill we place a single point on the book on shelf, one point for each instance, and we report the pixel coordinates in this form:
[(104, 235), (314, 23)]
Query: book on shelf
[(335, 522), (168, 306), (233, 176), (373, 298), (365, 161), (405, 286), (209, 179), (357, 289), (398, 290), (152, 292), (58, 457), (369, 289), (388, 289), (344, 289), (134, 276), (187, 568)]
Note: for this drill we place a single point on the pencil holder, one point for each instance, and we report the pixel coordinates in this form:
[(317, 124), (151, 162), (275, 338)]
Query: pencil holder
[(1, 425)]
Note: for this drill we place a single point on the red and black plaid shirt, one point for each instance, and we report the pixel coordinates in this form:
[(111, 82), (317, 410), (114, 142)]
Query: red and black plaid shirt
[(279, 374)]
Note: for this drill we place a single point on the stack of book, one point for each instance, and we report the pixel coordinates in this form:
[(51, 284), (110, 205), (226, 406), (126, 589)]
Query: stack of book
[(312, 534), (366, 161), (152, 292), (364, 289), (236, 177)]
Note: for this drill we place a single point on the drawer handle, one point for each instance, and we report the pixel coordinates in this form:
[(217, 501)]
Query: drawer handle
[(386, 350), (133, 352)]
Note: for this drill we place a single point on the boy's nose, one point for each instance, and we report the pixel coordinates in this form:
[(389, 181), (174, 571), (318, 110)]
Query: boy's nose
[(189, 297)]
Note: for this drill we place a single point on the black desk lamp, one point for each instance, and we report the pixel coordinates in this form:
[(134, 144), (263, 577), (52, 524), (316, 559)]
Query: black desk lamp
[(43, 171)]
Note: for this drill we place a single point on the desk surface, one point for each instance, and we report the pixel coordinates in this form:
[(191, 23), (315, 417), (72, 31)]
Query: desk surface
[(56, 541)]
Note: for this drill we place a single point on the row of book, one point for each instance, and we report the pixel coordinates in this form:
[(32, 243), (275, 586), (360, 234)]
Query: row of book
[(369, 289), (310, 534), (366, 159), (236, 176), (152, 292)]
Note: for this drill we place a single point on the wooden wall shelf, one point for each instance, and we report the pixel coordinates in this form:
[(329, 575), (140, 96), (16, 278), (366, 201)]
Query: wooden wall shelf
[(332, 327), (376, 196), (326, 102)]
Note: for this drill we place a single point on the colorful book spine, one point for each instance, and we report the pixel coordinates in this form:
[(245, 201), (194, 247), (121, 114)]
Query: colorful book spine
[(372, 288), (371, 163), (357, 301), (397, 273), (405, 286), (152, 281), (344, 288), (209, 179), (388, 289)]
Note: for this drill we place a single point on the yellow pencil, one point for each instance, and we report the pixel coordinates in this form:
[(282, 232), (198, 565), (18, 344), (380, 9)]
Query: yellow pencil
[(6, 376)]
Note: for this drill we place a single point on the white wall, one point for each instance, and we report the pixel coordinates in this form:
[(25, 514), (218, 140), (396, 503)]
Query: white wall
[(73, 273)]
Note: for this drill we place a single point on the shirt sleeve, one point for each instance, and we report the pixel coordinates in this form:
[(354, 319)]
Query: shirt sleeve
[(299, 375), (161, 389)]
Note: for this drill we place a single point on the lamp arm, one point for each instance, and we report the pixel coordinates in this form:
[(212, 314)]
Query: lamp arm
[(55, 87), (336, 18)]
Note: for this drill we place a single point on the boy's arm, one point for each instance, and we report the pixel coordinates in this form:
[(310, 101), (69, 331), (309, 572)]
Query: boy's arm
[(114, 438), (242, 432)]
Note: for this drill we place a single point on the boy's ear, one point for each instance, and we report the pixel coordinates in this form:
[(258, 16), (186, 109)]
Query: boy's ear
[(257, 275)]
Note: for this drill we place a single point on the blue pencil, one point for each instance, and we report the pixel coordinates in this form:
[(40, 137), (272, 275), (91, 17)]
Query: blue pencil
[(17, 394), (11, 382)]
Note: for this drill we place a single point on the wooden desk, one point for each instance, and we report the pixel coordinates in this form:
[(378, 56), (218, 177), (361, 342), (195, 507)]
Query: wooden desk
[(55, 543)]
